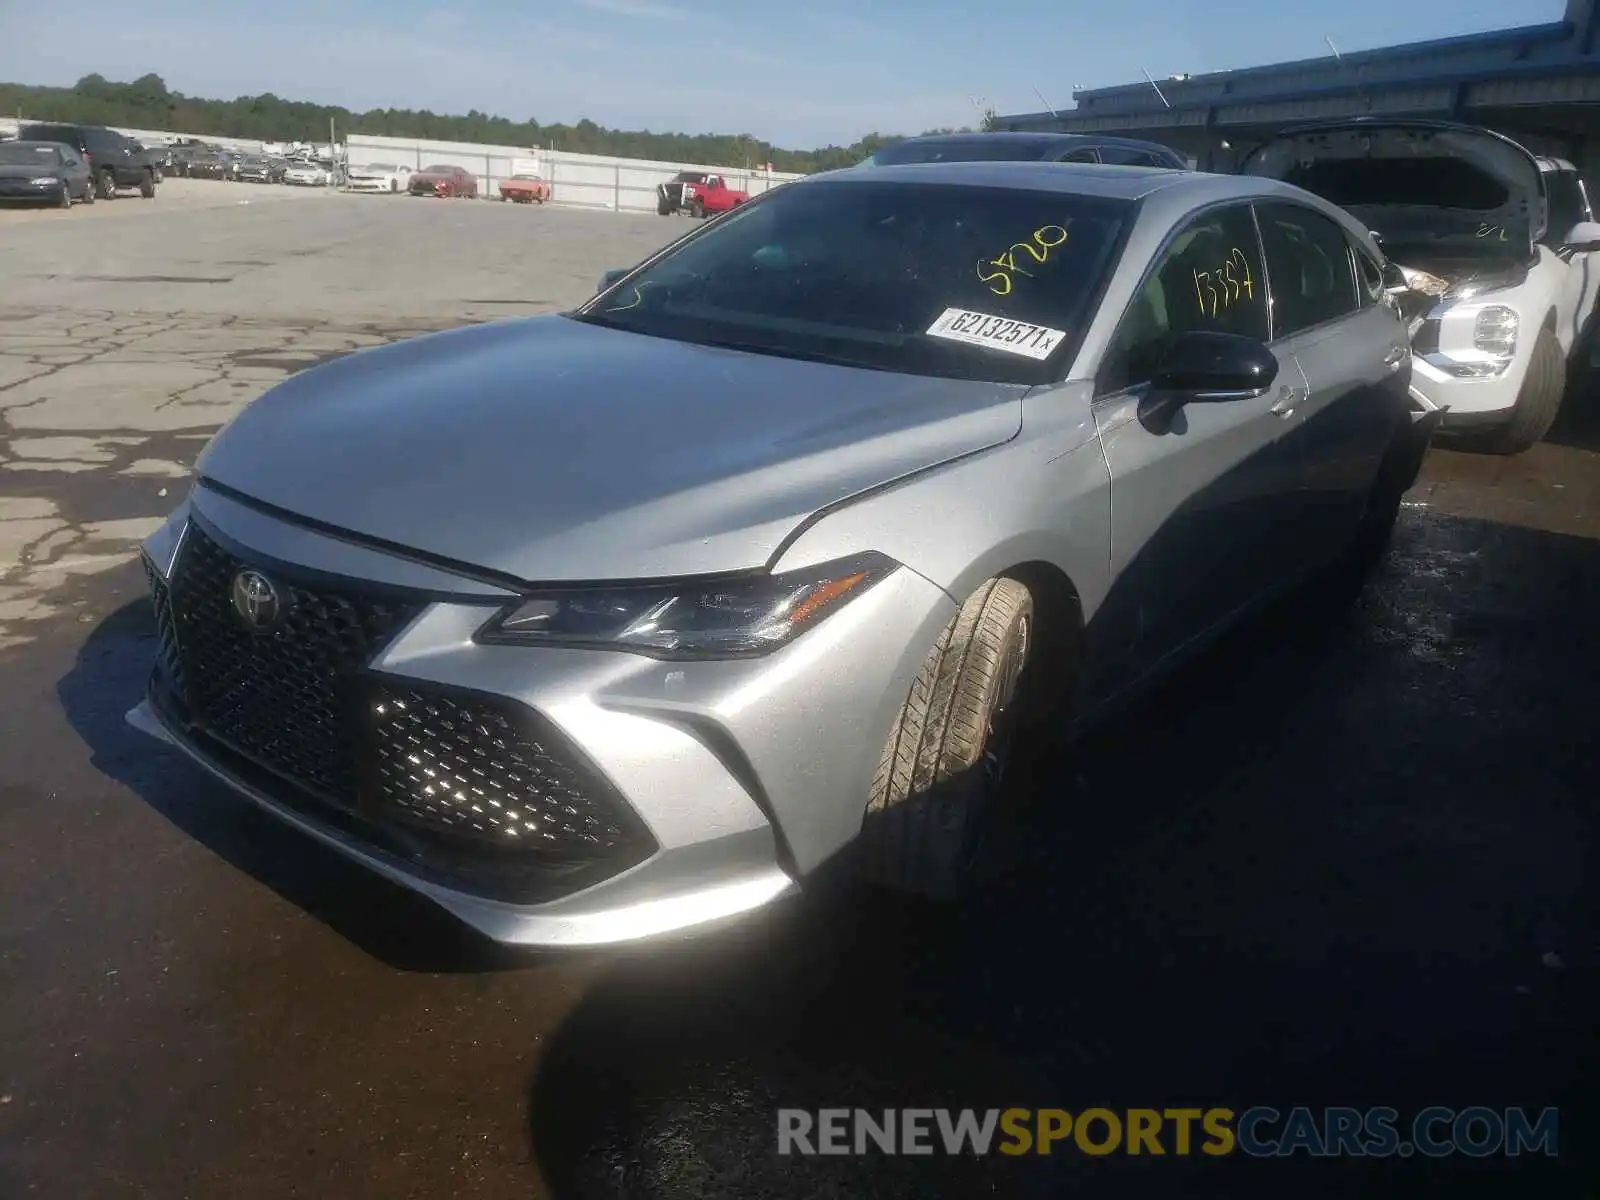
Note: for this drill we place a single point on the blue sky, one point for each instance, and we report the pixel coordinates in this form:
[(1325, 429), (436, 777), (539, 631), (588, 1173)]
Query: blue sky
[(796, 74)]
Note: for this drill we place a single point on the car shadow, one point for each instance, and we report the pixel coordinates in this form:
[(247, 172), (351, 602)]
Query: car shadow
[(1578, 423), (392, 924), (1332, 863)]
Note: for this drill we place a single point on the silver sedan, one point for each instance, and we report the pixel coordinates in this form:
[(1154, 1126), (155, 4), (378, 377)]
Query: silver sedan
[(599, 625)]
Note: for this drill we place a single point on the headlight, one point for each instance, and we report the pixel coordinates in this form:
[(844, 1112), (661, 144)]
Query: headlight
[(1495, 331), (735, 618), (44, 181)]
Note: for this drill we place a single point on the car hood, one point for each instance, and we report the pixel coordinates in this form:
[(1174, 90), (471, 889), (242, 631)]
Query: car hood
[(551, 450), (1357, 165)]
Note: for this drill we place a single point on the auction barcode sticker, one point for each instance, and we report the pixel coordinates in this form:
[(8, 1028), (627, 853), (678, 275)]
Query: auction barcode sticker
[(997, 333)]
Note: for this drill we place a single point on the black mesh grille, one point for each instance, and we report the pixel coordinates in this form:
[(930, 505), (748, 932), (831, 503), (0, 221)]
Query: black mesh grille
[(486, 771), (514, 809), (282, 695)]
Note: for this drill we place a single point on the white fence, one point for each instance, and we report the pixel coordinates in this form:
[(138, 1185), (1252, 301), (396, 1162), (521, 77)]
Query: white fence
[(589, 180)]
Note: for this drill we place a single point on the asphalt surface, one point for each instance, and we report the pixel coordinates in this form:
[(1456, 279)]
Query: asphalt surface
[(1347, 859)]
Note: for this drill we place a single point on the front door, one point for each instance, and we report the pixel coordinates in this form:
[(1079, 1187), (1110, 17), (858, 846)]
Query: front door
[(1203, 500)]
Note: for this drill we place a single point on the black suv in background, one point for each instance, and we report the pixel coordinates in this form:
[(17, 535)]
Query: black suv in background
[(116, 160)]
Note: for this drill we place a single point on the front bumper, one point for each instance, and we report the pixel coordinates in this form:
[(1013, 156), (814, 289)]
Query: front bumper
[(738, 776), (367, 185)]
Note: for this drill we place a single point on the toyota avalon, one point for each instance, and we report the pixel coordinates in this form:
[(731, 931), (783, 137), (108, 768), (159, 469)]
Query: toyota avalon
[(599, 625)]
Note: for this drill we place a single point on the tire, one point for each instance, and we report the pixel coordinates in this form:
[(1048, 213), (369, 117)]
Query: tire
[(1539, 401), (66, 195), (106, 184), (393, 187), (943, 766), (147, 186), (88, 192), (697, 209)]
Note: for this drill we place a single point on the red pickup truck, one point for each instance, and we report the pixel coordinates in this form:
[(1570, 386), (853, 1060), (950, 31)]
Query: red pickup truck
[(699, 194)]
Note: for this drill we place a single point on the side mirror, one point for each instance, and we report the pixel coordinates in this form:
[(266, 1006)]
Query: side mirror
[(611, 276), (1584, 237), (1393, 278), (1211, 367)]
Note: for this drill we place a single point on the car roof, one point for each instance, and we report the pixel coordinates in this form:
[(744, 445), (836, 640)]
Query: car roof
[(1082, 179)]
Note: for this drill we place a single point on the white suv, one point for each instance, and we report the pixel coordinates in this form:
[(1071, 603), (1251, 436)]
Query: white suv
[(1495, 258)]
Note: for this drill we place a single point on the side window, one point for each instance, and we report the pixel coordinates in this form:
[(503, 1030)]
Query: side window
[(1370, 275), (1079, 156), (1568, 205), (1208, 277), (1123, 157), (1308, 261)]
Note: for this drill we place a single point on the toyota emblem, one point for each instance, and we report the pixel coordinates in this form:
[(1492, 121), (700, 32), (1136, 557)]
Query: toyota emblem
[(255, 599)]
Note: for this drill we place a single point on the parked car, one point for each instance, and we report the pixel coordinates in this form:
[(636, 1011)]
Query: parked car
[(110, 156), (44, 173), (525, 189), (1497, 251), (257, 168), (887, 465), (443, 181), (301, 173), (698, 193), (153, 156), (1028, 147), (378, 177)]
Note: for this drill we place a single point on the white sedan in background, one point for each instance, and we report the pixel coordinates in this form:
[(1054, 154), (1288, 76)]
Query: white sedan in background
[(378, 177), (307, 174)]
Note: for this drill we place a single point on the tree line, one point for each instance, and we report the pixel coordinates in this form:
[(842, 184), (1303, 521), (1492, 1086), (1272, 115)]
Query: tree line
[(147, 103)]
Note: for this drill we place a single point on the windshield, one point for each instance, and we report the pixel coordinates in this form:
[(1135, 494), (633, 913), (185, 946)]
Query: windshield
[(999, 149), (385, 167), (927, 279), (13, 155)]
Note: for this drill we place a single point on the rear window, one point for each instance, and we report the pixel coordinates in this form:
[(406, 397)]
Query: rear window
[(14, 154), (1419, 182), (927, 279)]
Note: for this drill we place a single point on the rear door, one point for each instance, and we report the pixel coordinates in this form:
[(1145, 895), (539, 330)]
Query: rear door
[(1205, 502), (1353, 351)]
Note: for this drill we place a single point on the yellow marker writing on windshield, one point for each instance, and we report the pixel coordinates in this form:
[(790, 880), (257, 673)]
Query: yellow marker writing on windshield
[(998, 272)]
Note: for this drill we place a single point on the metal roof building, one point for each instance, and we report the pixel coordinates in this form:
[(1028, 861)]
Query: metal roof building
[(1539, 84)]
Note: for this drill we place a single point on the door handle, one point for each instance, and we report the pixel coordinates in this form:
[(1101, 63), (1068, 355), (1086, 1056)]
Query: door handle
[(1396, 356), (1288, 397)]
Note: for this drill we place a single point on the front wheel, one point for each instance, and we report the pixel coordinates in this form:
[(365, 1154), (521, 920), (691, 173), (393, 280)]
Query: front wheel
[(938, 780), (66, 196), (107, 184), (1538, 402), (697, 209), (147, 185)]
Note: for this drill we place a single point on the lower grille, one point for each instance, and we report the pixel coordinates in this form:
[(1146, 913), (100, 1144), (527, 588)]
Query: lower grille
[(476, 790), (491, 772)]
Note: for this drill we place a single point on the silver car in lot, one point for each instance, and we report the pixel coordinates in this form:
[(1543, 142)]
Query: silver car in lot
[(600, 625)]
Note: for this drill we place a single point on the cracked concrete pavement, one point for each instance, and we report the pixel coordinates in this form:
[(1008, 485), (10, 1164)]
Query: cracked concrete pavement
[(124, 344)]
